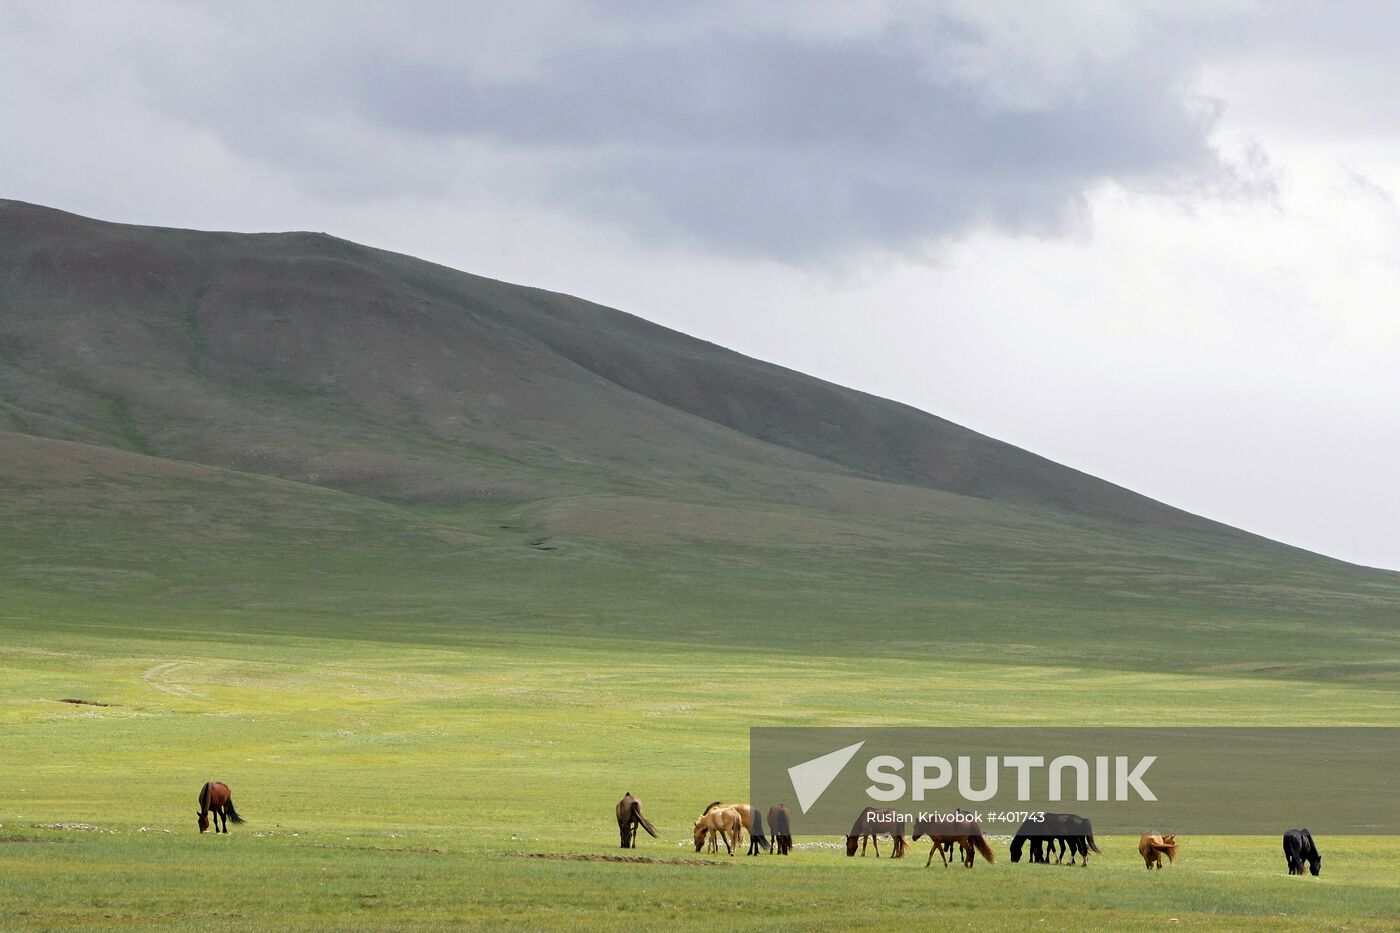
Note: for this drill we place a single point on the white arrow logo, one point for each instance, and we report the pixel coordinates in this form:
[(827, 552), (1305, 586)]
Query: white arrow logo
[(811, 778)]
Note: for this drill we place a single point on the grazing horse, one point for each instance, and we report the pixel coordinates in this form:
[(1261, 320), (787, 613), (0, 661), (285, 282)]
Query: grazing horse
[(746, 815), (722, 823), (1298, 847), (943, 833), (1066, 829), (214, 797), (872, 823), (1152, 846), (629, 817), (758, 841), (780, 824)]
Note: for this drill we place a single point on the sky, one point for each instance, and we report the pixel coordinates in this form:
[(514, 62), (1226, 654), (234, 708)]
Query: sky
[(1158, 242)]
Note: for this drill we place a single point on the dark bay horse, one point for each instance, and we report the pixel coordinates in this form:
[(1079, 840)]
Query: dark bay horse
[(870, 825), (1298, 847), (629, 817), (215, 798)]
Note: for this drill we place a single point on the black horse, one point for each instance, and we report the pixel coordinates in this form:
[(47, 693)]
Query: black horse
[(1068, 830), (1298, 847), (780, 823), (758, 841)]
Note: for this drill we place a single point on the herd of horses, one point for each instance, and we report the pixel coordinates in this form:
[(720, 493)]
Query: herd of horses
[(1049, 838), (727, 823)]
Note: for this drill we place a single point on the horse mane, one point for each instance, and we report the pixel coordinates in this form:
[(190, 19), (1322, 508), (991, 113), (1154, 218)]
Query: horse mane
[(712, 806)]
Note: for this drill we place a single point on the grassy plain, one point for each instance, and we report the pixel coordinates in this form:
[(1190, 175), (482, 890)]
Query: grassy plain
[(394, 732)]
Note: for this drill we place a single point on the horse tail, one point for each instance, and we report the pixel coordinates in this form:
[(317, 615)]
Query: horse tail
[(982, 847), (646, 823), (1089, 837), (232, 813), (780, 825)]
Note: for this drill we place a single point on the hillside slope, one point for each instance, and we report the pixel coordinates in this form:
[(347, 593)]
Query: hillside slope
[(316, 359), (283, 432)]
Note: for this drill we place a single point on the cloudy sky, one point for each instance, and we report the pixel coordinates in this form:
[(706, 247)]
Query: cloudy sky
[(1155, 241)]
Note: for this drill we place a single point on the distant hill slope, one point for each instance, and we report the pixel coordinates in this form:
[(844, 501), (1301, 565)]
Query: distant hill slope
[(284, 432), (311, 358)]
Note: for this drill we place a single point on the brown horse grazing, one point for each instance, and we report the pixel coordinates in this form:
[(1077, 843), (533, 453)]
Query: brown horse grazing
[(724, 823), (629, 817), (780, 825), (746, 815), (872, 823), (1152, 846), (943, 833), (214, 797)]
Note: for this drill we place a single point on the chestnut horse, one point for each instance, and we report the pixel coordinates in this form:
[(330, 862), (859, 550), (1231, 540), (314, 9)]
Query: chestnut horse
[(1152, 847), (965, 832), (214, 797)]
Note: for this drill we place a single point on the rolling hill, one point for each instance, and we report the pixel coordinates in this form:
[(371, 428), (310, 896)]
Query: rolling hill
[(193, 417)]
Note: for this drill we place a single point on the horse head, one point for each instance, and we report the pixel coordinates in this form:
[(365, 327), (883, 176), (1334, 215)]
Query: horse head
[(699, 835), (852, 842), (203, 821)]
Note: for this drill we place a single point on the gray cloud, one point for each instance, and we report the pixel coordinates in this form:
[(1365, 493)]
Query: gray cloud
[(768, 141)]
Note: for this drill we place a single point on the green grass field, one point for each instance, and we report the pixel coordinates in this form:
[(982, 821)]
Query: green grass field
[(388, 772)]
